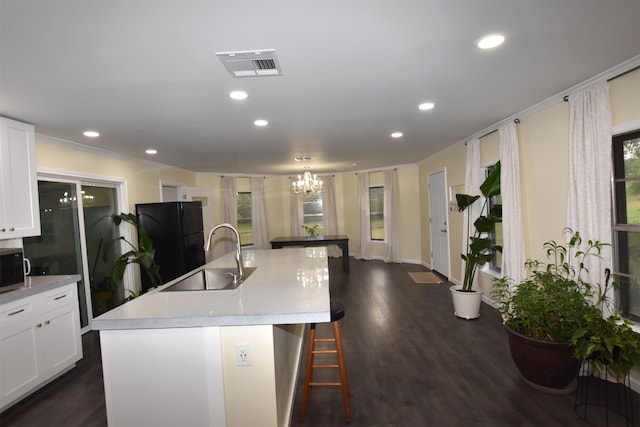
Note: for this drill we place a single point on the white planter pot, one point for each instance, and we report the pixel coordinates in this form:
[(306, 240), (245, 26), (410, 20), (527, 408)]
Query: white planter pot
[(466, 305)]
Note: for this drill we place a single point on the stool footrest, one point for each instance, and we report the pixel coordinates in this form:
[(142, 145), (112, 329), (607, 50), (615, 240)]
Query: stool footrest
[(333, 350)]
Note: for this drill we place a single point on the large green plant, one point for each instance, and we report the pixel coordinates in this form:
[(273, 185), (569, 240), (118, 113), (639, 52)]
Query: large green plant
[(480, 248), (555, 303), (142, 255)]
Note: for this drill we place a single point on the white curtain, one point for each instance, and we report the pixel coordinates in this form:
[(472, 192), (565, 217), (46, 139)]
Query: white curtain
[(330, 214), (471, 187), (259, 214), (230, 213), (296, 214), (589, 198), (391, 233), (513, 256), (365, 220)]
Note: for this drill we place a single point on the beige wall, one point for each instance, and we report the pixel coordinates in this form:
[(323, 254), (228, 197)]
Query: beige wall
[(625, 102), (142, 177), (543, 141)]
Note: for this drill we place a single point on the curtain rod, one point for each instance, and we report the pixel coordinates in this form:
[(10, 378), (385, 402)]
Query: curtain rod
[(381, 170), (516, 121), (332, 175), (610, 74), (566, 97)]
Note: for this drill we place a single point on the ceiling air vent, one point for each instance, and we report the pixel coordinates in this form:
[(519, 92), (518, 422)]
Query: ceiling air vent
[(251, 63)]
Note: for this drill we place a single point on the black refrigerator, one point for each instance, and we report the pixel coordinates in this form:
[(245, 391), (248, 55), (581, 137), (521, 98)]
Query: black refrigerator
[(177, 234)]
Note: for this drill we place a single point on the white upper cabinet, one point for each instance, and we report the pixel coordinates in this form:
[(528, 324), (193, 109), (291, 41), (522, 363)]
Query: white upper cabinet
[(19, 207)]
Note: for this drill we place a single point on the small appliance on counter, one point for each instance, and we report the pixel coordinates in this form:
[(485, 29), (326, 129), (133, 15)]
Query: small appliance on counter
[(12, 269), (176, 230)]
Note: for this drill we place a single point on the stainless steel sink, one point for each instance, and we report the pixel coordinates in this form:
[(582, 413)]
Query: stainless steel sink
[(210, 279)]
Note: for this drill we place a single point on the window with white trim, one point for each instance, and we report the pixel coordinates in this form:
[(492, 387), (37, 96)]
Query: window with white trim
[(626, 227), (244, 212), (376, 213)]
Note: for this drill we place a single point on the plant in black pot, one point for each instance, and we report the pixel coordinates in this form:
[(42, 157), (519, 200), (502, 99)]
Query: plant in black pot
[(554, 319), (480, 248), (609, 345), (143, 255)]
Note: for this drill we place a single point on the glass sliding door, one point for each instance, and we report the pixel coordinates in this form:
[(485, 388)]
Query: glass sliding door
[(59, 248), (77, 238), (98, 204)]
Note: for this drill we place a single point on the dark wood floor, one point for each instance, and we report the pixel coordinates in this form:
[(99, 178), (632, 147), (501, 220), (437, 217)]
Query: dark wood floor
[(411, 362)]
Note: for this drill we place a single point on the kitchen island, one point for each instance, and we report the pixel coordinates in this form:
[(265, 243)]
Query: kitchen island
[(171, 358)]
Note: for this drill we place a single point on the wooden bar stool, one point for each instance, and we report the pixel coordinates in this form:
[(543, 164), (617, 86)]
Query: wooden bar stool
[(337, 313)]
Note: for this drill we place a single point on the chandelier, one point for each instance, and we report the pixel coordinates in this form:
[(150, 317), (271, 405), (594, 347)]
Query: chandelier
[(307, 184)]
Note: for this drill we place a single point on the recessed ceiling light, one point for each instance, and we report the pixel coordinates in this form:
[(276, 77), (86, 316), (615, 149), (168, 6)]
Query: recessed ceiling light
[(151, 151), (91, 134), (238, 95), (426, 106), (396, 135), (490, 41), (261, 122)]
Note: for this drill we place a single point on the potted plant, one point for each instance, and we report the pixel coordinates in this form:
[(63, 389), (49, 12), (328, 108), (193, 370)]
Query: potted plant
[(143, 255), (312, 230), (480, 249), (554, 319), (607, 344)]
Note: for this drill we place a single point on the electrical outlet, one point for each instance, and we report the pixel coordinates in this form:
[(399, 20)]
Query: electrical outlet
[(243, 354)]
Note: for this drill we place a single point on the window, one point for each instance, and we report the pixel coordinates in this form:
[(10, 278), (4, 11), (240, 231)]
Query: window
[(496, 232), (245, 227), (626, 228), (312, 212), (376, 213)]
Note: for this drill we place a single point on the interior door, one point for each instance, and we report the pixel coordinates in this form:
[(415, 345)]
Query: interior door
[(438, 223)]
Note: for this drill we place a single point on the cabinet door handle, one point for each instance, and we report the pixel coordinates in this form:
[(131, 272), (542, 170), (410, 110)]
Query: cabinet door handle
[(39, 325), (60, 297), (12, 229), (16, 312), (47, 322), (3, 229)]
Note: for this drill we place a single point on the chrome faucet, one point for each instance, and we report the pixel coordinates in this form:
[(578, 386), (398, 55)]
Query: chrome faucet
[(240, 275)]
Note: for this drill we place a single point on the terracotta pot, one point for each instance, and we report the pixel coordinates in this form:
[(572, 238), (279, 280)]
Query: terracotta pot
[(546, 366), (466, 305)]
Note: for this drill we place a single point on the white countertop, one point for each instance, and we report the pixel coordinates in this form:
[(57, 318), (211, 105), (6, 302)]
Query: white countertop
[(37, 284), (288, 286)]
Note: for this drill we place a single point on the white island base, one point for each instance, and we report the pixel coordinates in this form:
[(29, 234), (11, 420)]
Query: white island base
[(169, 358), (190, 377)]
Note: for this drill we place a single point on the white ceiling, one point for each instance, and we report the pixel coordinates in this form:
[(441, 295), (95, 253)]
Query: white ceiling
[(145, 74)]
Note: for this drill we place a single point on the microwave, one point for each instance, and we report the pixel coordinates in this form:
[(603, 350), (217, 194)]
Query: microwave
[(12, 272)]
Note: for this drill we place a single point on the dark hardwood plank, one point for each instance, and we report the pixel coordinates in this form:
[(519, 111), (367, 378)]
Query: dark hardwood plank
[(74, 399), (411, 362)]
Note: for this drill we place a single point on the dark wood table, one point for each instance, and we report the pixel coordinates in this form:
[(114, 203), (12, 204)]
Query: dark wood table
[(340, 240)]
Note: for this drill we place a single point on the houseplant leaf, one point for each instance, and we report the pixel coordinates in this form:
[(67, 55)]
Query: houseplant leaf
[(491, 185), (465, 200)]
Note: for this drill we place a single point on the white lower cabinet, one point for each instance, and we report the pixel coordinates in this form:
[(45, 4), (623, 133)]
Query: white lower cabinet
[(39, 339)]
